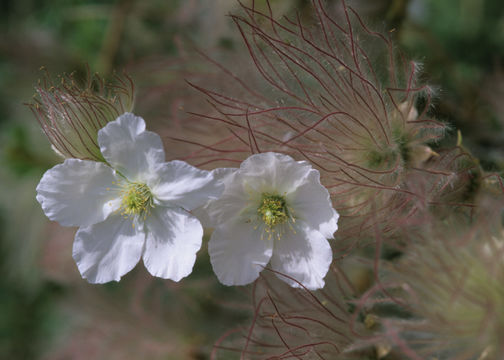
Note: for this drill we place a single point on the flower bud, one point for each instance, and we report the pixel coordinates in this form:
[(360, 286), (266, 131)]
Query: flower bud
[(71, 113)]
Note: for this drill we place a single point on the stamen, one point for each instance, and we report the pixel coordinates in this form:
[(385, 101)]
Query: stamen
[(137, 199), (273, 209), (274, 212)]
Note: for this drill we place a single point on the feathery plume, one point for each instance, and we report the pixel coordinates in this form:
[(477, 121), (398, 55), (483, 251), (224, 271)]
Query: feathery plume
[(336, 94), (71, 113)]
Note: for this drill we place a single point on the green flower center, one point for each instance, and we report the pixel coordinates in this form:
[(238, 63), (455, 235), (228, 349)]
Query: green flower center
[(273, 210), (137, 199)]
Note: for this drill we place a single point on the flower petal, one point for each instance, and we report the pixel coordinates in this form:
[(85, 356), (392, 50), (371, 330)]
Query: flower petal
[(106, 251), (274, 173), (237, 253), (312, 204), (179, 183), (173, 238), (211, 211), (130, 149), (304, 256), (231, 204), (78, 192)]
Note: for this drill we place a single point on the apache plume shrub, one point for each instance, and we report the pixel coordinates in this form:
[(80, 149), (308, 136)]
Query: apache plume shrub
[(336, 94), (70, 113)]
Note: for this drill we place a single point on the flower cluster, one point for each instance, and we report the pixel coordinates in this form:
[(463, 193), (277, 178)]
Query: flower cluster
[(327, 119), (135, 205)]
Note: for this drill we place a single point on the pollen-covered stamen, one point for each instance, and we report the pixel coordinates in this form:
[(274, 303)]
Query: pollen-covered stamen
[(273, 209), (137, 199)]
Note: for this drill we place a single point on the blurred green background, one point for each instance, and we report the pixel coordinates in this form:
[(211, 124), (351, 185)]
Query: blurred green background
[(46, 310)]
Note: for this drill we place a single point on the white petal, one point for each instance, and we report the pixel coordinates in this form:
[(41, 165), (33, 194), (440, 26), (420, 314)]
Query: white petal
[(202, 215), (106, 251), (304, 255), (173, 239), (274, 173), (179, 183), (130, 149), (78, 192), (311, 203), (231, 204), (222, 175), (237, 253)]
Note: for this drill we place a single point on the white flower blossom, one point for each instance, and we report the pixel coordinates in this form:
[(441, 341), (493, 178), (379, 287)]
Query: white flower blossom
[(134, 206), (273, 210)]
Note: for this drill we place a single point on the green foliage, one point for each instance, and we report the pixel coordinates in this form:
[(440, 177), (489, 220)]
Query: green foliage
[(28, 321)]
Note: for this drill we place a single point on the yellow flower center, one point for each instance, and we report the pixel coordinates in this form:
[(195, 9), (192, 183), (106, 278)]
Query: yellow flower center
[(137, 199), (273, 210)]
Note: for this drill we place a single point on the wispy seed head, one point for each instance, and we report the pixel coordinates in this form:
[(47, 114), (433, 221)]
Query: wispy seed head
[(71, 112)]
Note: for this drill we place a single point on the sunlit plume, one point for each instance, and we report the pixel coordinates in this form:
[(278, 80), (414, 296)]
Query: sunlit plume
[(70, 112)]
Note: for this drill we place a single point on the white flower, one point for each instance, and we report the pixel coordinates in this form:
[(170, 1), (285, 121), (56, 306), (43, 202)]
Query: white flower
[(134, 206), (273, 209)]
